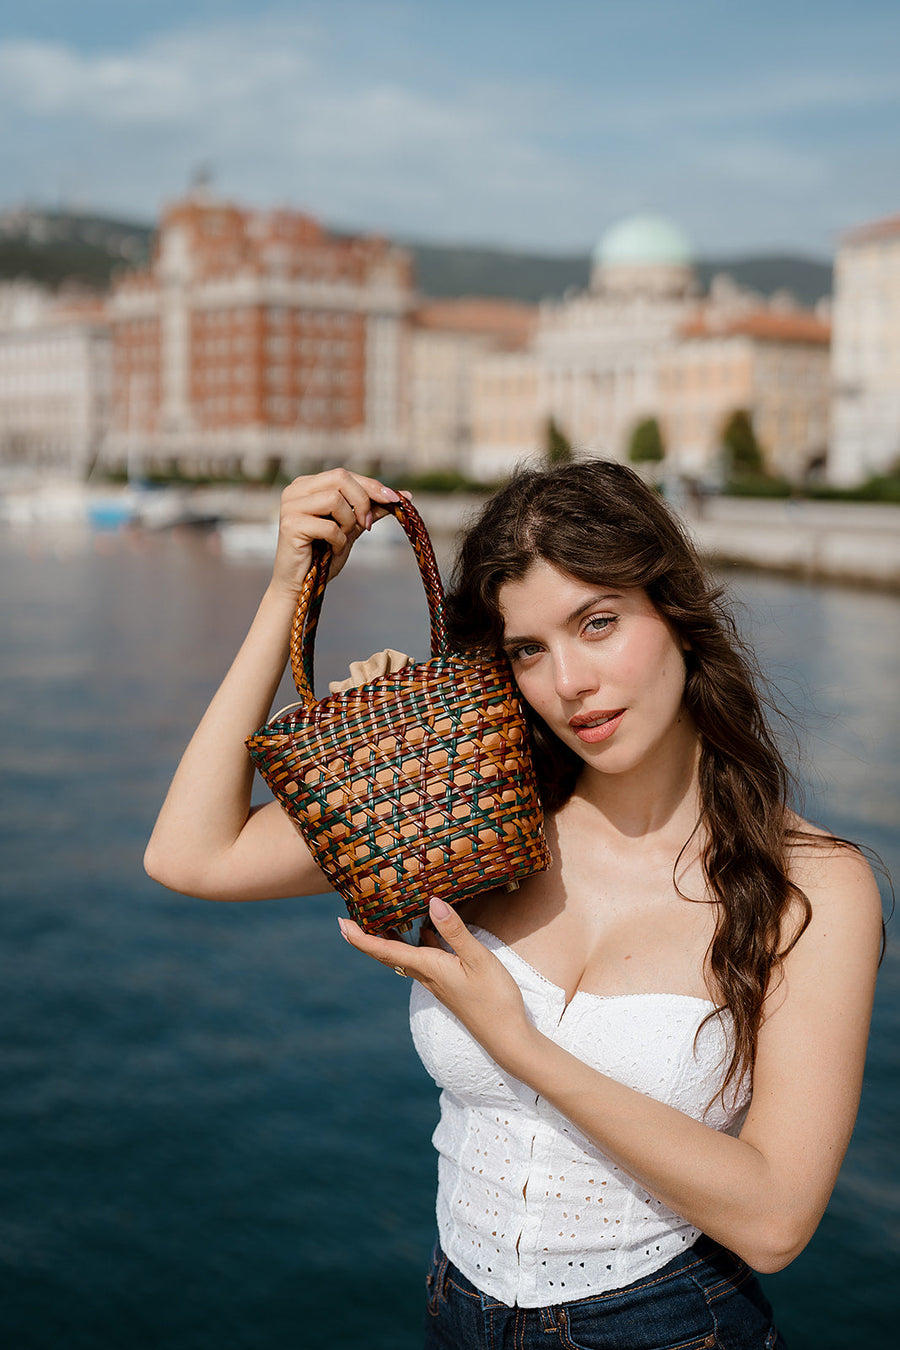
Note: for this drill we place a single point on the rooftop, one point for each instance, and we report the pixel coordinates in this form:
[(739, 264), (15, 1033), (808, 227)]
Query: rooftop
[(888, 228), (765, 325), (508, 321)]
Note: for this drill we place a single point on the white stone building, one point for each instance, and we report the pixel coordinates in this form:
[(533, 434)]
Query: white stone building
[(865, 409), (641, 342), (446, 342), (54, 379), (593, 365), (772, 363)]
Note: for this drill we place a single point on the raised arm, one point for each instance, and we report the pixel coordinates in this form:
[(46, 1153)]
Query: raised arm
[(207, 841), (762, 1194)]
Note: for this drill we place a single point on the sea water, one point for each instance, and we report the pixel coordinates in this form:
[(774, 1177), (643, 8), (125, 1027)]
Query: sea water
[(214, 1133)]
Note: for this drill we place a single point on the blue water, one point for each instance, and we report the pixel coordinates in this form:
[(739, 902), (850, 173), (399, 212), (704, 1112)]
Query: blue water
[(215, 1134)]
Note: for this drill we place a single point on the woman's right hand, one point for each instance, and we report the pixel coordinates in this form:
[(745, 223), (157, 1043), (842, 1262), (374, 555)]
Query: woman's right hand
[(336, 506)]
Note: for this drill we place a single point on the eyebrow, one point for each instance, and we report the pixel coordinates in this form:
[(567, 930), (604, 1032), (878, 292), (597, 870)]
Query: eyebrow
[(570, 618)]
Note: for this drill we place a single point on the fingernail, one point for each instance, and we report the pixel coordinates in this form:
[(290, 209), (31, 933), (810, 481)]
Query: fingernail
[(388, 494), (438, 908), (343, 929), (407, 495), (370, 520)]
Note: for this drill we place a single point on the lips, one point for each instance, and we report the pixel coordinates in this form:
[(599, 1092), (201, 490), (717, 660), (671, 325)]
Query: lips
[(596, 726)]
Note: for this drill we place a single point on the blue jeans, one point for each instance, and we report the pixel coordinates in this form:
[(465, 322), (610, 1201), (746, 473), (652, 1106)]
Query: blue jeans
[(705, 1299)]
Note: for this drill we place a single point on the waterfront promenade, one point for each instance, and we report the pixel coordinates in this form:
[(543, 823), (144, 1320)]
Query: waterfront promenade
[(851, 542), (829, 541), (856, 542)]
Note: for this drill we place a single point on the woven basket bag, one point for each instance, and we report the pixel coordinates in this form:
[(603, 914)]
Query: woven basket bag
[(417, 784)]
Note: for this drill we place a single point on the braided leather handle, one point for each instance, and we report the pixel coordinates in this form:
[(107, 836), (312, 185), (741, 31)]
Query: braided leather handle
[(309, 602)]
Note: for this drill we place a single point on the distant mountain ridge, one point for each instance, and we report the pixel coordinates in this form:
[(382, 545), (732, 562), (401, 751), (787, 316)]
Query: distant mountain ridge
[(445, 271), (53, 247)]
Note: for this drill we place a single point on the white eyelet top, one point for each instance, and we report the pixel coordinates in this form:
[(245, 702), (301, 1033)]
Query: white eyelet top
[(528, 1208)]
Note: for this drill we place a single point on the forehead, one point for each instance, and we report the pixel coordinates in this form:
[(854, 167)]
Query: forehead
[(547, 594)]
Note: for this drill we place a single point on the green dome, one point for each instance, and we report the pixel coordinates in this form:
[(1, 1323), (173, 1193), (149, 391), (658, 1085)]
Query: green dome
[(644, 240)]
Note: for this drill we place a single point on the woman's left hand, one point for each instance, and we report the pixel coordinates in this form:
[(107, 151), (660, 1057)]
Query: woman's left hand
[(469, 980)]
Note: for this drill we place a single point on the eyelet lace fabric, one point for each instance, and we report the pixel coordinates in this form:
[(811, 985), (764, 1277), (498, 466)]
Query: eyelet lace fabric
[(528, 1208)]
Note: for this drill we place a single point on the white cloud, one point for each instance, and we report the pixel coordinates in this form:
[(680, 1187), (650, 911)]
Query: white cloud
[(762, 164), (192, 75), (286, 110), (261, 103), (760, 97), (51, 81)]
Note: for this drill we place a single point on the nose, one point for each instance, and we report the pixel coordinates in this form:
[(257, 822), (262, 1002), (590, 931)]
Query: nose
[(574, 673)]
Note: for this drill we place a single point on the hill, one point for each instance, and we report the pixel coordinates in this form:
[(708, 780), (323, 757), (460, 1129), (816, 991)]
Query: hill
[(809, 279), (56, 246), (452, 271)]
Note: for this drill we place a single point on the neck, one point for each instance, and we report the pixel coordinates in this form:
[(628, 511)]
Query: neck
[(655, 797)]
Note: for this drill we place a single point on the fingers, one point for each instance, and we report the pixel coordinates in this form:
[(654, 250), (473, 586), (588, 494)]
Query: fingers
[(312, 515), (335, 506), (451, 928), (392, 952), (422, 962), (348, 498)]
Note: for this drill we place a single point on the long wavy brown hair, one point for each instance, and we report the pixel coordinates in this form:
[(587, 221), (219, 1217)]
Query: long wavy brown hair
[(597, 521)]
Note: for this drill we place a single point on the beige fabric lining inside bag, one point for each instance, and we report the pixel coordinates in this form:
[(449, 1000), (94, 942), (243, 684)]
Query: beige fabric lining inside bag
[(361, 672)]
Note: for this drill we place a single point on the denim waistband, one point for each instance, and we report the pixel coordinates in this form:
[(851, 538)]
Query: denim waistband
[(710, 1265), (704, 1297)]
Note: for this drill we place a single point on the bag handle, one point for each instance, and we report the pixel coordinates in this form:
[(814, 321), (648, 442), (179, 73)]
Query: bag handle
[(309, 601)]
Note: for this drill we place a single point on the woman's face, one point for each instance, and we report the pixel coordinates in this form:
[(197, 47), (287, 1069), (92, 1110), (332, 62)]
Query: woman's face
[(599, 665)]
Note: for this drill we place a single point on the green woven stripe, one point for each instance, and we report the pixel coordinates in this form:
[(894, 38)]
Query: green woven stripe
[(365, 842), (408, 899), (420, 730), (405, 767)]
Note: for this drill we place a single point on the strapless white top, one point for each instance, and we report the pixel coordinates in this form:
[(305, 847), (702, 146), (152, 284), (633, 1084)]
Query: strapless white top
[(528, 1208)]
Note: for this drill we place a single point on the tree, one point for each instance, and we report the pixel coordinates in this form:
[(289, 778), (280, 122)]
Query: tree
[(646, 444), (745, 456), (559, 447)]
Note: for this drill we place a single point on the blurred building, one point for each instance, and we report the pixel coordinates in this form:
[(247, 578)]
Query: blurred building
[(447, 338), (641, 343), (509, 421), (865, 410), (257, 339), (772, 363), (54, 379), (593, 362)]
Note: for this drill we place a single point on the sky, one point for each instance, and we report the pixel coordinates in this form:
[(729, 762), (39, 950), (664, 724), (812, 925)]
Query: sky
[(757, 128)]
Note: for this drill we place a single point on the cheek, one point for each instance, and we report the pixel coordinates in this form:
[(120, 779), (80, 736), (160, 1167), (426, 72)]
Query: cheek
[(532, 690), (659, 667), (676, 675)]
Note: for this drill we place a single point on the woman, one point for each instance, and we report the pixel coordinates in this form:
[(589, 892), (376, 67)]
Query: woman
[(606, 1176)]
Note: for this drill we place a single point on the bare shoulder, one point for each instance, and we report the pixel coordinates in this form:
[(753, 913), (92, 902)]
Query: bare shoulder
[(837, 880), (832, 944)]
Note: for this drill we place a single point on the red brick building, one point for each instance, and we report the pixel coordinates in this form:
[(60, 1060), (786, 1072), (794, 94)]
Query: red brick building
[(254, 337)]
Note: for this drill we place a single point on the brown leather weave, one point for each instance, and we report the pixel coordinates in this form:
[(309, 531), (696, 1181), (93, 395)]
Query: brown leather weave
[(419, 783)]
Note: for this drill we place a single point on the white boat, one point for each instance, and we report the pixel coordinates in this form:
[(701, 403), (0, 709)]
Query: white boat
[(248, 538), (61, 503)]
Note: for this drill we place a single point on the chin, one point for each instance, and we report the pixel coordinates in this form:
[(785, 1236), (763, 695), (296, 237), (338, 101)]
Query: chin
[(615, 759)]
